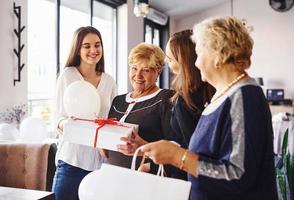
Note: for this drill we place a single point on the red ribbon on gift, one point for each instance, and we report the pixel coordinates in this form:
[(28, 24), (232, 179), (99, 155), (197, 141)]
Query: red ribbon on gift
[(101, 122)]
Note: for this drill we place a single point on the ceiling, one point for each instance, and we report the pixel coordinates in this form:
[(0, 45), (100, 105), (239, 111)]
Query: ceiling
[(181, 8)]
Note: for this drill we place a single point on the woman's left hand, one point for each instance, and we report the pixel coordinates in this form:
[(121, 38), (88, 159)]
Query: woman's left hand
[(132, 143)]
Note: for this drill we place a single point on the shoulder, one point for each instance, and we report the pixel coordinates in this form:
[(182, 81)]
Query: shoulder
[(180, 102), (68, 72), (197, 99), (164, 97), (67, 76), (239, 96), (247, 98), (180, 106), (166, 93), (251, 97), (120, 98), (247, 92), (107, 78)]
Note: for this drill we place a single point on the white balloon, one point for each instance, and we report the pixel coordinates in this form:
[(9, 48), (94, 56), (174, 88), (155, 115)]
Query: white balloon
[(8, 132), (81, 99), (33, 129)]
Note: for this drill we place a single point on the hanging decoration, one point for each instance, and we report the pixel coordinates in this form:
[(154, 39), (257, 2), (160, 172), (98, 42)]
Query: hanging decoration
[(18, 50)]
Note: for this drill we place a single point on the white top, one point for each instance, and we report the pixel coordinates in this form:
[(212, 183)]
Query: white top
[(81, 156)]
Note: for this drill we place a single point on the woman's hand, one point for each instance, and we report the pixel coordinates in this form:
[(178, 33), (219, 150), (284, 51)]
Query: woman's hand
[(132, 143), (145, 167), (62, 121), (163, 152), (166, 152), (103, 153)]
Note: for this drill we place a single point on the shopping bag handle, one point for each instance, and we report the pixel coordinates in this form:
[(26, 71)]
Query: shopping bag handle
[(160, 171)]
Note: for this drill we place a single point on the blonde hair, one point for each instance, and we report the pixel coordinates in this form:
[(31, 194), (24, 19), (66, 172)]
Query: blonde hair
[(150, 54), (228, 38)]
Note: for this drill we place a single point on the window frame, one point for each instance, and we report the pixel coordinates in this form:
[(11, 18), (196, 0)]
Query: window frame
[(112, 3), (164, 79), (57, 7)]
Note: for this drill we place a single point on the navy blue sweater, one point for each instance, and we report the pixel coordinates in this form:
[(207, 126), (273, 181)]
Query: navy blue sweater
[(234, 141)]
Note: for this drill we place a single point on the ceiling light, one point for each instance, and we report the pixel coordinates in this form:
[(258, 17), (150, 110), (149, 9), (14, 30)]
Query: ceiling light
[(141, 8)]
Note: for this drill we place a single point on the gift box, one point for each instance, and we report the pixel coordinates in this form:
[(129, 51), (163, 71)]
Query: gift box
[(105, 136)]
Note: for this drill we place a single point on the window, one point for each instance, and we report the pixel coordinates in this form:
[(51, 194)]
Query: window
[(104, 19), (73, 14), (48, 44), (41, 58), (158, 35)]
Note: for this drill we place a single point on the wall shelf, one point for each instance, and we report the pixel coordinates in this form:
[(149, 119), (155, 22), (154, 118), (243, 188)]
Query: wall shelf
[(18, 50)]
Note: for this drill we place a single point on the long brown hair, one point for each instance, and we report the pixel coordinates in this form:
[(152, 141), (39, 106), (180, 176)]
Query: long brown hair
[(188, 80), (74, 58)]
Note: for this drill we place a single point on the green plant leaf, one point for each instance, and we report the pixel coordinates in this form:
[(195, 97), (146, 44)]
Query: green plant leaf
[(290, 173), (282, 184), (285, 145)]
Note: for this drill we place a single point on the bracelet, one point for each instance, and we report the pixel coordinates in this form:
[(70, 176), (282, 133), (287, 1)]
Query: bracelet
[(183, 159)]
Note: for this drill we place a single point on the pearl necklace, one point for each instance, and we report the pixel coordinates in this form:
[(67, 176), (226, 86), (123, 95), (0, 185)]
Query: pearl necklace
[(214, 98)]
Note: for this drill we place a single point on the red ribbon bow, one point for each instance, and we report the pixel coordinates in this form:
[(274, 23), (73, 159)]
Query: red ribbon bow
[(102, 122)]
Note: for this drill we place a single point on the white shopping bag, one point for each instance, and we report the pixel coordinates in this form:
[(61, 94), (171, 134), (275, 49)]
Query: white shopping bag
[(118, 183)]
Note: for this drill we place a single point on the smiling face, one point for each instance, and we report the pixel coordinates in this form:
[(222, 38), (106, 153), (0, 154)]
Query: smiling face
[(91, 49), (142, 77)]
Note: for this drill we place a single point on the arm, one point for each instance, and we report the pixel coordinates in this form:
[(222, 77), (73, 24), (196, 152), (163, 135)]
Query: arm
[(176, 156), (65, 78), (245, 154), (60, 115), (132, 143)]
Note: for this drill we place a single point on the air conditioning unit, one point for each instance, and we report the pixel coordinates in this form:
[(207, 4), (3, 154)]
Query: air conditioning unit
[(157, 16)]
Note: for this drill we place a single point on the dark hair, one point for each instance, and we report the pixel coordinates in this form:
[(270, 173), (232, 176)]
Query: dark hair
[(188, 80), (74, 57)]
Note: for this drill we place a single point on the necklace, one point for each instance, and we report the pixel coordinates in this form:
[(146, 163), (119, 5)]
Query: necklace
[(223, 91)]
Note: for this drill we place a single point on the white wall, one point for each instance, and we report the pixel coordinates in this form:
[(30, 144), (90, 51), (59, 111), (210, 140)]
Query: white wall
[(135, 30), (130, 33), (273, 36), (188, 22), (11, 95), (122, 49)]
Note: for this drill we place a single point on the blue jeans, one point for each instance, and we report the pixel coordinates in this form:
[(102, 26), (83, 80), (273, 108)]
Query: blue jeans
[(66, 181)]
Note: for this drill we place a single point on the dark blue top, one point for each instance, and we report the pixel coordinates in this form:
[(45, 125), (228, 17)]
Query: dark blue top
[(234, 141), (184, 119), (183, 123)]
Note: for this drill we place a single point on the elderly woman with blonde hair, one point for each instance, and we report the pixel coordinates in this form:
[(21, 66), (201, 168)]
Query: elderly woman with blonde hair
[(230, 154), (146, 105)]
